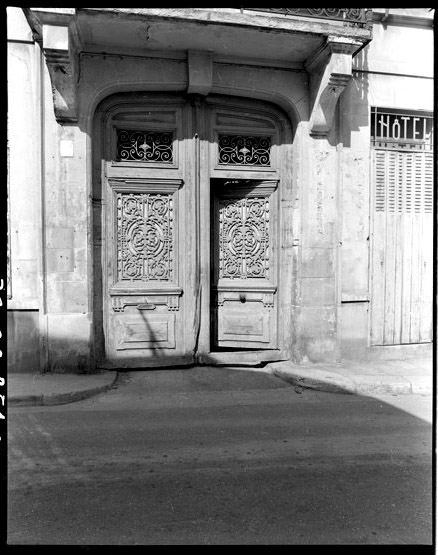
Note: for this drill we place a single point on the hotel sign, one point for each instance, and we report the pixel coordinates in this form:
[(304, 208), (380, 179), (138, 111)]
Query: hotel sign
[(400, 128)]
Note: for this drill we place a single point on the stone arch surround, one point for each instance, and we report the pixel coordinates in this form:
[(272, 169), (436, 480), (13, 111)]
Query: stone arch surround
[(285, 88), (112, 102)]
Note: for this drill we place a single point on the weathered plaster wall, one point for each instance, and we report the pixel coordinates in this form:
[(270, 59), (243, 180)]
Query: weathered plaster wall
[(24, 195), (316, 326), (67, 224), (48, 315), (330, 231), (393, 71), (400, 49)]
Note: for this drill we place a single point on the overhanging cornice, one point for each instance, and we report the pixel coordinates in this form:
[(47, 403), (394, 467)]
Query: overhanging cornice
[(325, 47), (238, 17)]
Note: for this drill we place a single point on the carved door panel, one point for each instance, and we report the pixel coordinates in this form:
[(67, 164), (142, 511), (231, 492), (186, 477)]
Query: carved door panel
[(144, 231), (243, 252), (145, 293)]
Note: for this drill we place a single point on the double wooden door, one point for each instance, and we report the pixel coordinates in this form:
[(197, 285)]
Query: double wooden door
[(187, 227)]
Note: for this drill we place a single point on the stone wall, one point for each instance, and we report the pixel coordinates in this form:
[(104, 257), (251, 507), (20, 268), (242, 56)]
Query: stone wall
[(50, 314), (24, 178), (316, 327), (66, 223)]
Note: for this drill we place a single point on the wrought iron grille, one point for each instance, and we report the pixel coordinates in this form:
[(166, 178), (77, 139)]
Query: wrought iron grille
[(144, 237), (244, 238), (244, 150), (144, 146), (355, 16)]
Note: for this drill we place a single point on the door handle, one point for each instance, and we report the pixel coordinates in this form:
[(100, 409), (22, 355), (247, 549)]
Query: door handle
[(242, 297), (146, 306)]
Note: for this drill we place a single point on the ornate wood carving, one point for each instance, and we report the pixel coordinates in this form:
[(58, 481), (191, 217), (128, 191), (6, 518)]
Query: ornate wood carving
[(144, 237), (263, 295), (244, 238), (143, 302)]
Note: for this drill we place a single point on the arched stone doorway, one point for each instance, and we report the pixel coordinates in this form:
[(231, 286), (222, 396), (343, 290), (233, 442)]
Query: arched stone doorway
[(192, 231)]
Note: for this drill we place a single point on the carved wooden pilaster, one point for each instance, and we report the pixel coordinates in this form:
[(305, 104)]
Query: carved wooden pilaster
[(330, 71)]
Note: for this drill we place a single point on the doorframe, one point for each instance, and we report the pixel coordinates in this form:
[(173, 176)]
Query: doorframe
[(283, 173), (200, 133), (103, 148)]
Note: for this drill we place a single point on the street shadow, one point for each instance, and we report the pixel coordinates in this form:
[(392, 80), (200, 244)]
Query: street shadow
[(23, 341), (222, 456), (29, 352)]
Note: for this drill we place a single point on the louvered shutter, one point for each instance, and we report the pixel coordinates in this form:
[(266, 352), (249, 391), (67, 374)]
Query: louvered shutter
[(401, 253)]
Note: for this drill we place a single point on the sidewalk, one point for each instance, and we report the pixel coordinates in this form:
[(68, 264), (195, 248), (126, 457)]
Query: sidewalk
[(55, 389), (396, 377), (408, 376)]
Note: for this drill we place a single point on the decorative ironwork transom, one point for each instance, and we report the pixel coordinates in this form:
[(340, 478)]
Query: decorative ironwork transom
[(144, 146), (244, 150), (244, 238), (144, 237)]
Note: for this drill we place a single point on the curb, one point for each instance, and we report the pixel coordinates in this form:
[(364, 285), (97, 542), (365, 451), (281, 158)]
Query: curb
[(326, 382), (59, 398), (333, 382)]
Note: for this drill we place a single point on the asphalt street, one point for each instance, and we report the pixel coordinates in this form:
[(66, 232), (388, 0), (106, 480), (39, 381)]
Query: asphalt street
[(221, 456)]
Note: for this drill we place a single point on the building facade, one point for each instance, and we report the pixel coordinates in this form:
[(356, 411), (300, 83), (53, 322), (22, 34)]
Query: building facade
[(218, 185)]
